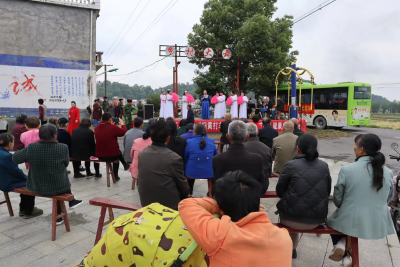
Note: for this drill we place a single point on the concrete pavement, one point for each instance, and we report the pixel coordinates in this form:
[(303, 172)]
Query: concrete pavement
[(28, 242)]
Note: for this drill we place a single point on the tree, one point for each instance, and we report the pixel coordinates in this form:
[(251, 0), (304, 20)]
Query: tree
[(262, 45), (384, 107), (393, 106), (375, 106), (155, 100), (211, 80)]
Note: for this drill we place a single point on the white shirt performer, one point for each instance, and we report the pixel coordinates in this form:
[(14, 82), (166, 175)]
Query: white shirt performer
[(243, 108), (184, 106), (163, 98), (222, 107), (169, 106), (217, 109), (234, 107)]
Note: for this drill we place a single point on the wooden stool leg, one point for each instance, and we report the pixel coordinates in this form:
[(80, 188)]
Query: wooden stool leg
[(65, 215), (112, 173), (111, 214), (10, 210), (355, 255), (100, 225), (210, 187), (108, 173), (54, 220), (133, 183)]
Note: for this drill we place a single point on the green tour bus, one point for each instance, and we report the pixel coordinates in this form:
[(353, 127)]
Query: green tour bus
[(333, 105)]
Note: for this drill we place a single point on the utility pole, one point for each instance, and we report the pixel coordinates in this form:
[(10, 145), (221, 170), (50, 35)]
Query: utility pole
[(105, 79)]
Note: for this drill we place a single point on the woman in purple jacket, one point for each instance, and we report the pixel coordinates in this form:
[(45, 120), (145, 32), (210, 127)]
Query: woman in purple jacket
[(18, 129)]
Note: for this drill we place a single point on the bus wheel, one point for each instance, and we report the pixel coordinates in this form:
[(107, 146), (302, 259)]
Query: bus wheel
[(320, 123)]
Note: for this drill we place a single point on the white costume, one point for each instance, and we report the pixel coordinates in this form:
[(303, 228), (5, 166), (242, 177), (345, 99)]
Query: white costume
[(163, 98), (222, 107), (169, 107), (184, 107), (234, 107), (217, 110), (243, 108)]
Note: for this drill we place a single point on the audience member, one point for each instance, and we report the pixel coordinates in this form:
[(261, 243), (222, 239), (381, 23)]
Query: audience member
[(244, 235), (190, 114), (304, 188), (238, 159), (138, 145), (18, 129), (182, 126), (296, 130), (361, 195), (63, 135), (256, 120), (188, 131), (107, 147), (224, 130), (199, 153), (96, 112), (176, 143), (267, 133), (32, 124), (131, 135), (245, 120), (284, 148), (12, 177), (111, 109), (42, 112), (54, 121), (48, 161), (83, 146), (161, 177), (253, 145)]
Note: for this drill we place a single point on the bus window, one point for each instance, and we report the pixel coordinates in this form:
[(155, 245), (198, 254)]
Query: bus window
[(362, 92)]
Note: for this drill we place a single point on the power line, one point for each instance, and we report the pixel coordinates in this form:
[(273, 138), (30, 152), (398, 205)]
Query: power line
[(311, 10), (123, 28), (129, 29), (298, 20), (129, 73), (147, 29)]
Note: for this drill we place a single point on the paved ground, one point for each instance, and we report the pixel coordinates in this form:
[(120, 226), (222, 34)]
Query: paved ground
[(28, 242)]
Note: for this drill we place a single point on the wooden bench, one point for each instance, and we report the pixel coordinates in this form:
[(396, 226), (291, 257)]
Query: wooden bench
[(352, 242), (54, 216), (8, 202), (219, 144), (109, 204), (270, 194), (109, 168)]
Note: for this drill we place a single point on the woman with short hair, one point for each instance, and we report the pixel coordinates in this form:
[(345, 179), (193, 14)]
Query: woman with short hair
[(18, 129), (176, 143), (199, 153), (48, 161), (362, 194), (83, 146)]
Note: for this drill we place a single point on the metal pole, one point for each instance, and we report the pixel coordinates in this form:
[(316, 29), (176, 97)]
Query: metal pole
[(105, 81), (293, 113)]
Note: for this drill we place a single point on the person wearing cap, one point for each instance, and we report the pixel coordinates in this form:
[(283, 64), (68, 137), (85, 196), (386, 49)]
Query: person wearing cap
[(96, 112), (74, 117), (104, 105), (184, 105), (128, 109)]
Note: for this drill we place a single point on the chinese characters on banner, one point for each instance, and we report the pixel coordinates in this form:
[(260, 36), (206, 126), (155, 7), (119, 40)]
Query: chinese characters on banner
[(226, 54), (71, 86), (189, 51), (170, 50), (208, 53), (306, 108)]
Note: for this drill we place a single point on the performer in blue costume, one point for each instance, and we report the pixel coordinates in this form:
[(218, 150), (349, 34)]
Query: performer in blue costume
[(205, 106)]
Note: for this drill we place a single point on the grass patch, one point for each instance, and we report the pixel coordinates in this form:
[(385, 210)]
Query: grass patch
[(383, 124), (328, 133)]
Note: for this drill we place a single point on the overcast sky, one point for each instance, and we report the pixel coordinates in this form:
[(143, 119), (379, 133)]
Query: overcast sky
[(349, 40)]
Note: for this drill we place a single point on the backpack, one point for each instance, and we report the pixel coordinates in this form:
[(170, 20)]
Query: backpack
[(152, 236)]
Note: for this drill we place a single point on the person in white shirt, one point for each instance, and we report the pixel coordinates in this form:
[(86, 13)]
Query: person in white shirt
[(243, 107), (217, 107), (222, 107), (184, 105), (163, 99), (169, 106), (234, 106)]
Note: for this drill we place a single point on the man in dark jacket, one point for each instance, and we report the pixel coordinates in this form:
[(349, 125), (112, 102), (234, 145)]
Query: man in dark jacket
[(190, 114), (267, 133), (161, 177), (253, 145), (224, 130), (237, 158), (296, 130), (63, 135)]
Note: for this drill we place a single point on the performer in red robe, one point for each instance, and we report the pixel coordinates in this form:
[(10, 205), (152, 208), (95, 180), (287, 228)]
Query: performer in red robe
[(74, 117)]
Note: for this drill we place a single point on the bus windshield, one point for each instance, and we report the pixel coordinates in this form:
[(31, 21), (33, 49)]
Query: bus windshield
[(362, 92)]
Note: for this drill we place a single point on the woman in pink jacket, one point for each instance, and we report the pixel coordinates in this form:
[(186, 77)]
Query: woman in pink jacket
[(138, 145), (244, 235)]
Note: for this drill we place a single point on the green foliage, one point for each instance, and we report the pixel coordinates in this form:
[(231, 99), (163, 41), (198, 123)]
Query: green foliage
[(375, 106), (211, 80), (384, 107), (155, 100), (394, 106), (224, 25)]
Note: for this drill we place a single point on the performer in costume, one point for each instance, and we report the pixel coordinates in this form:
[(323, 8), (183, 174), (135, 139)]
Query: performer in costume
[(243, 107), (205, 106), (234, 106), (222, 106), (217, 108), (184, 105), (169, 106), (163, 99), (74, 117), (128, 109)]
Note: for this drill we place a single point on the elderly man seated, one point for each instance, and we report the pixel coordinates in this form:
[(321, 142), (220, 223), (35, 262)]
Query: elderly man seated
[(237, 158), (284, 148)]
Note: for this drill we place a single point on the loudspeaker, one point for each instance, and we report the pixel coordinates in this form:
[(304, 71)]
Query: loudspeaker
[(148, 111)]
